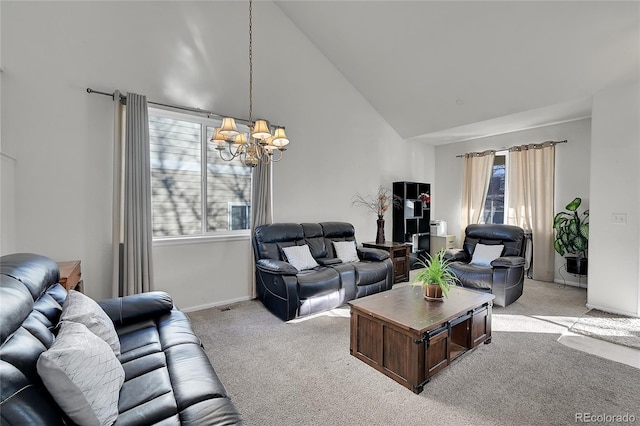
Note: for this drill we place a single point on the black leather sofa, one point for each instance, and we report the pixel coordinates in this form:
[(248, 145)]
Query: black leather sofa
[(168, 377), (289, 293), (505, 277)]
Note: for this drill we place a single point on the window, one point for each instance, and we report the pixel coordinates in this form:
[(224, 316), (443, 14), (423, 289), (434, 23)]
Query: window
[(239, 216), (494, 205), (194, 192)]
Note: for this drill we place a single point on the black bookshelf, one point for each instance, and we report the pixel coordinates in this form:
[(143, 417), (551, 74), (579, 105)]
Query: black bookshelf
[(411, 219)]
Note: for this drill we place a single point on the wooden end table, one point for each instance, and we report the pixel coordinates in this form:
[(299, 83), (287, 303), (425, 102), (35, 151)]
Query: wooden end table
[(70, 275), (410, 339), (399, 255)]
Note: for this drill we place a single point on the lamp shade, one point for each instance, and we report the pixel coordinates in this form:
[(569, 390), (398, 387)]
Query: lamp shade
[(268, 145), (228, 127), (280, 138), (261, 130), (240, 139), (218, 138)]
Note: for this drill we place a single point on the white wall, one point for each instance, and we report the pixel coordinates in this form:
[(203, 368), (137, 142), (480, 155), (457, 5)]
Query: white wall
[(186, 53), (614, 280), (7, 192), (572, 172), (7, 204)]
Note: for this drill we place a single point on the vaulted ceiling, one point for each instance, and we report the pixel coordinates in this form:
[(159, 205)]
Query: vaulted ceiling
[(444, 71)]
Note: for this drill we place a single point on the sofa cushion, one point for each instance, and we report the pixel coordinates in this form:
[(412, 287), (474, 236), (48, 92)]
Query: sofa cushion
[(267, 236), (370, 272), (484, 254), (300, 257), (473, 276), (318, 282), (512, 237), (84, 310), (372, 254), (346, 251), (83, 375), (314, 238)]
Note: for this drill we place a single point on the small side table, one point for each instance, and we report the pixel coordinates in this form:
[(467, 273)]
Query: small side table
[(399, 255), (71, 275), (442, 242)]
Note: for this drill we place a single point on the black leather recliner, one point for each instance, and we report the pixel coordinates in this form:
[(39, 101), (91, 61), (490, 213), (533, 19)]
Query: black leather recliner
[(505, 277), (289, 293)]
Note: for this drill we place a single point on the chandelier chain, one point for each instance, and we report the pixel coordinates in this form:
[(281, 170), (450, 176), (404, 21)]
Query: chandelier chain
[(250, 64)]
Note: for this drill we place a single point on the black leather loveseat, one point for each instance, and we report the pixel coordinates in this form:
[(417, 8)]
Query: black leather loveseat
[(289, 293), (168, 378)]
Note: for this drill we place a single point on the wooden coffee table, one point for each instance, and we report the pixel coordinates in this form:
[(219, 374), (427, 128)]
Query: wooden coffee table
[(410, 339)]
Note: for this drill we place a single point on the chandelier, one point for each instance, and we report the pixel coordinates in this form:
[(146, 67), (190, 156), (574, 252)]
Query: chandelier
[(259, 144)]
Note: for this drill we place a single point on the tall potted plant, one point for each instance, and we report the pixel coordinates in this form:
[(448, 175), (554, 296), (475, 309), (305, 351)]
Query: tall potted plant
[(436, 278), (572, 236)]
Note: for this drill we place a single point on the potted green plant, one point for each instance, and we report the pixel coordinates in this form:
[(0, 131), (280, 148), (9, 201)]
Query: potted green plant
[(572, 236), (436, 278)]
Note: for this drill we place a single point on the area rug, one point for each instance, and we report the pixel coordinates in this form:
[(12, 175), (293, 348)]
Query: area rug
[(610, 327)]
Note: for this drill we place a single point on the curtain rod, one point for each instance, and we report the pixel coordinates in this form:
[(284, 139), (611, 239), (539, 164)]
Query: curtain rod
[(516, 146), (183, 108)]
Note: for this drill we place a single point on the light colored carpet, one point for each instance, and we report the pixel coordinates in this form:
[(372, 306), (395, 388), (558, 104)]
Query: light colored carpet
[(301, 373), (613, 328)]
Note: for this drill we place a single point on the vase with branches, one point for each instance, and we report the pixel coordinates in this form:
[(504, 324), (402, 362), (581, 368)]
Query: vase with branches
[(378, 203)]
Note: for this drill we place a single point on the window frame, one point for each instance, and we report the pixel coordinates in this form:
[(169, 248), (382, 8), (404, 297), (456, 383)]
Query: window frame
[(231, 205), (204, 235), (505, 215)]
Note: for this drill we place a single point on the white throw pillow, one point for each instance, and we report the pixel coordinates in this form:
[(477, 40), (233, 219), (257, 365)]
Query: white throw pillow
[(83, 375), (84, 310), (346, 251), (483, 254), (300, 257)]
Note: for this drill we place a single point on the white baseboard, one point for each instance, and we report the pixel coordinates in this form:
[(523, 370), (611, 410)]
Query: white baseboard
[(215, 304), (612, 311), (571, 283)]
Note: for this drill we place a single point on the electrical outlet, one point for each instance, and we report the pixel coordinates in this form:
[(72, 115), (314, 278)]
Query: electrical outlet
[(619, 218)]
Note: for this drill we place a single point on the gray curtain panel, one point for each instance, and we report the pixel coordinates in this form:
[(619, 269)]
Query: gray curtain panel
[(260, 207), (132, 217), (117, 229)]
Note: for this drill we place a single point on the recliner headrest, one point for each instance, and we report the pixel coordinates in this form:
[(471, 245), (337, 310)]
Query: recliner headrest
[(338, 229), (512, 237)]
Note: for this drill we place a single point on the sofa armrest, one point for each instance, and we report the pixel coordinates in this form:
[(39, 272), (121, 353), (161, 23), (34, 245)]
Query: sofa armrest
[(274, 266), (373, 254), (137, 307), (328, 261), (508, 262), (456, 255)]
